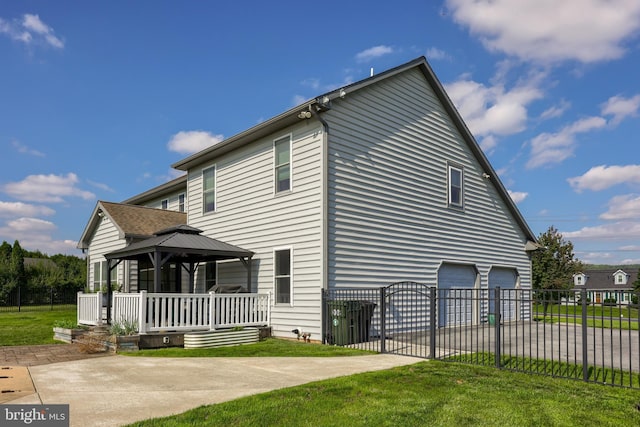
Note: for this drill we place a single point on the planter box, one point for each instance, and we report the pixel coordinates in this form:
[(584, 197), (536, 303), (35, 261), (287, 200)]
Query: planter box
[(68, 335), (223, 338), (124, 342)]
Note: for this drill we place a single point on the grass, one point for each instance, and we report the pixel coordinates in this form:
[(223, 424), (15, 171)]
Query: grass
[(32, 327), (592, 310), (267, 348), (428, 393), (554, 368)]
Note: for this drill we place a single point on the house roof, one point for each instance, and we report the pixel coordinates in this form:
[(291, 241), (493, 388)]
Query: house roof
[(322, 102), (131, 221), (605, 279), (175, 185), (183, 242)]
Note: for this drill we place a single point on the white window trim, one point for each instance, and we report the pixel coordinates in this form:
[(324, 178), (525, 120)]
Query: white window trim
[(184, 202), (164, 204), (275, 159), (275, 295), (215, 189), (450, 167)]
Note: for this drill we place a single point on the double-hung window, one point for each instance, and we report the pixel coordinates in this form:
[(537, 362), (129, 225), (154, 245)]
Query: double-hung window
[(282, 163), (282, 275), (100, 274), (165, 204), (455, 184), (209, 189), (181, 203)]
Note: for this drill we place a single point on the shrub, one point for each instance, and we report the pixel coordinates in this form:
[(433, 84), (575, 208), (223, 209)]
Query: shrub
[(124, 327)]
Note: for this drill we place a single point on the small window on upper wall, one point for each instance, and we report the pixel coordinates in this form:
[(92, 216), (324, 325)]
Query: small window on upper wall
[(181, 203), (209, 189), (282, 164), (455, 183), (165, 204)]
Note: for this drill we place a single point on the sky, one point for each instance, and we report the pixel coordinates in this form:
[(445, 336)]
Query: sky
[(98, 99)]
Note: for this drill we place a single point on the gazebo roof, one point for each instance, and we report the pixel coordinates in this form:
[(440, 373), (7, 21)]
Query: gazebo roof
[(183, 243)]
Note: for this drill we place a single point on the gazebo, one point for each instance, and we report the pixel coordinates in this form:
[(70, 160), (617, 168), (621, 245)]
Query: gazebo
[(183, 245)]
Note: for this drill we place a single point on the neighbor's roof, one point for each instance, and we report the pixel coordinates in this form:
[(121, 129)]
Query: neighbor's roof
[(131, 221), (605, 279), (184, 242), (319, 103)]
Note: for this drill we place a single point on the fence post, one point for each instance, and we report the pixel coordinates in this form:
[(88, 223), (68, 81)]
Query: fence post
[(142, 312), (585, 356), (383, 320), (212, 309), (98, 305), (325, 318), (433, 296), (496, 311)]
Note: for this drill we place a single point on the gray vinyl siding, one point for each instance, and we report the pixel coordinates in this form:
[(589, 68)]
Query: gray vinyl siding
[(172, 201), (390, 144), (105, 239), (249, 214)]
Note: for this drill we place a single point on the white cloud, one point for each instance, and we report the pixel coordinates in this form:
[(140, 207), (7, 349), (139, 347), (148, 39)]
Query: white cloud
[(602, 177), (19, 209), (101, 186), (493, 110), (436, 54), (517, 196), (556, 110), (189, 142), (30, 29), (373, 52), (47, 188), (623, 207), (623, 230), (36, 234), (621, 108), (552, 148), (549, 30), (23, 149)]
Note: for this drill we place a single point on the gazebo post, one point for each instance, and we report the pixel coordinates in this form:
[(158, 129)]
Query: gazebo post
[(157, 270)]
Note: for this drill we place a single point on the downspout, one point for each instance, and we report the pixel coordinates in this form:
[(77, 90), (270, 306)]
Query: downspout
[(324, 176)]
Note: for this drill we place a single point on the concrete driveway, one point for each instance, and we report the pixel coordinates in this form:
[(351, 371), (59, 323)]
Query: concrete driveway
[(117, 390)]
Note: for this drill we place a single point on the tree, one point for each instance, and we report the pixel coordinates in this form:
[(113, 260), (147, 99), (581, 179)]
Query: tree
[(17, 264), (554, 265), (636, 283)]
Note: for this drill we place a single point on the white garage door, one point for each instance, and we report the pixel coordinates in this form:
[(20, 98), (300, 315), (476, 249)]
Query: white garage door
[(506, 279), (455, 291)]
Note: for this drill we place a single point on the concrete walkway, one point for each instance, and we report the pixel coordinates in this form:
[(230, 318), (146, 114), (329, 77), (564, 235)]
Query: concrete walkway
[(112, 391)]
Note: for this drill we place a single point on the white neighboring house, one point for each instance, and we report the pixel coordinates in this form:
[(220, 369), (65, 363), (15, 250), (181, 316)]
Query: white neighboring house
[(612, 286), (370, 184)]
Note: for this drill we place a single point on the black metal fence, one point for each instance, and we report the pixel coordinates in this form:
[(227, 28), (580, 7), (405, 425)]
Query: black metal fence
[(592, 335), (42, 299)]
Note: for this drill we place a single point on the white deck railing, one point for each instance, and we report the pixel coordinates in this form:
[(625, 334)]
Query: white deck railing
[(89, 309), (156, 312)]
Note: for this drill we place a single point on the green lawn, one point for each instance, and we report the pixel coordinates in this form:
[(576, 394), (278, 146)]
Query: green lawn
[(32, 327), (428, 393), (267, 348)]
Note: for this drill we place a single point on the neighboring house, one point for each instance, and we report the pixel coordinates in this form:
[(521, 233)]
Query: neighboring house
[(612, 285), (373, 183)]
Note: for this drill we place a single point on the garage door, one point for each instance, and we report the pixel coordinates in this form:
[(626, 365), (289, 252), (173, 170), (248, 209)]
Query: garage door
[(506, 279), (455, 292)]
